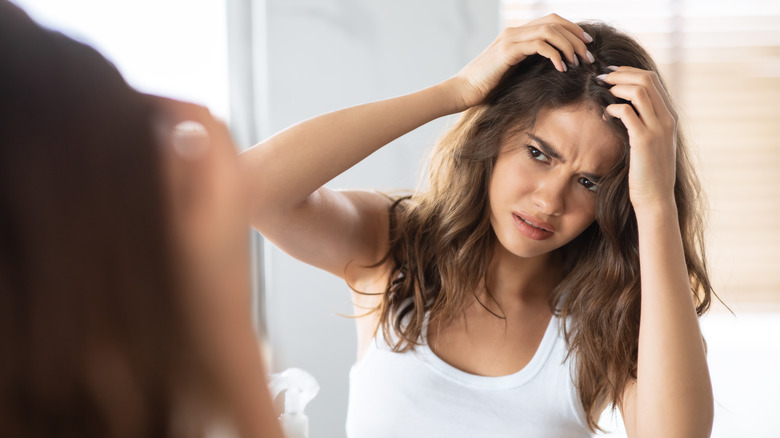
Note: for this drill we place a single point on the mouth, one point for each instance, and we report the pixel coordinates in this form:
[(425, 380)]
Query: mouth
[(532, 221), (533, 228), (529, 223)]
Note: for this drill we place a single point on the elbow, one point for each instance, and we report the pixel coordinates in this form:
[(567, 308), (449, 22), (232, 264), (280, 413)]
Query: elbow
[(708, 416), (693, 422), (705, 412), (700, 418)]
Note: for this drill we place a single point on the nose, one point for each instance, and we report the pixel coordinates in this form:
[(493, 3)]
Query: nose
[(549, 196)]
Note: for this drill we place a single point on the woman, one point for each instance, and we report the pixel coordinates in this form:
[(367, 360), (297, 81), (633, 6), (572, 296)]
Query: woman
[(123, 263), (562, 197)]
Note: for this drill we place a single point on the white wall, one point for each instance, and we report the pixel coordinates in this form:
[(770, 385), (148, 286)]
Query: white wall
[(323, 55)]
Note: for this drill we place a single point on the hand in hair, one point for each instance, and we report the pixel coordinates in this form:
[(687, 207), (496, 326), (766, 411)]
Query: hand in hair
[(552, 37), (672, 379), (652, 131)]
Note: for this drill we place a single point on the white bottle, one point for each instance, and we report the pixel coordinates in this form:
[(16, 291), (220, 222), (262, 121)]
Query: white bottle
[(300, 388)]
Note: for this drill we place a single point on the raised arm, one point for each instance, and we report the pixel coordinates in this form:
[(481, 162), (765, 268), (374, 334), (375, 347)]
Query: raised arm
[(319, 226), (331, 229), (672, 396)]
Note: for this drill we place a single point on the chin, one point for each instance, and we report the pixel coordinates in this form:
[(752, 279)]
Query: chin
[(527, 250)]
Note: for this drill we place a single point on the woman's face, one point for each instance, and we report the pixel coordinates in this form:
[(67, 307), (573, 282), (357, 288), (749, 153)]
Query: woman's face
[(543, 188)]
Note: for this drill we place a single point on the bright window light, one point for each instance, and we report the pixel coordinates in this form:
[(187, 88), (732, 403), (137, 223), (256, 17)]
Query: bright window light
[(174, 48)]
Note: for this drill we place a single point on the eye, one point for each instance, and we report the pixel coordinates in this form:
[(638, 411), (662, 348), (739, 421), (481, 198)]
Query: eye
[(588, 184), (536, 154)]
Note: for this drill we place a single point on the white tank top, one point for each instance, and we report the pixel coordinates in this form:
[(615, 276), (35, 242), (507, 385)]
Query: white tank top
[(417, 394)]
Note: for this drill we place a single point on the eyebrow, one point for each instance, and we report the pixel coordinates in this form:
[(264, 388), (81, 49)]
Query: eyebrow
[(548, 150)]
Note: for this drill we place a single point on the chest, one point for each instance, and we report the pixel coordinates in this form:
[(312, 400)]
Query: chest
[(417, 394), (486, 345)]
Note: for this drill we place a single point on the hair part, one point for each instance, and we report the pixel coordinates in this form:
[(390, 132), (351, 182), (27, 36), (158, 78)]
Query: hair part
[(442, 242)]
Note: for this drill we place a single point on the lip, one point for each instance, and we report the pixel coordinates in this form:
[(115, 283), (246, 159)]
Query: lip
[(532, 227)]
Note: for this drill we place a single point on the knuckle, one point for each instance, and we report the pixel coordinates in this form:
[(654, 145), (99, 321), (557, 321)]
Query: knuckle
[(548, 28), (630, 94)]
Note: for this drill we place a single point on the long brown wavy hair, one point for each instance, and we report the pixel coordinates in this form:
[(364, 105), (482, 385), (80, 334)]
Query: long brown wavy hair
[(441, 240), (94, 337)]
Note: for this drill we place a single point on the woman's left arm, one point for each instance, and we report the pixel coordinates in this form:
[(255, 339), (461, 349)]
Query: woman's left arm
[(672, 396)]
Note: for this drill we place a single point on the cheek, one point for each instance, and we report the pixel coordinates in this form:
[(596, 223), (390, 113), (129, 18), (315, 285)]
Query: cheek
[(583, 211), (587, 204), (511, 180)]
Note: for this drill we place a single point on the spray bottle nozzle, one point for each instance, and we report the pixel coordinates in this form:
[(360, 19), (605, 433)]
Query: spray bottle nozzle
[(300, 388)]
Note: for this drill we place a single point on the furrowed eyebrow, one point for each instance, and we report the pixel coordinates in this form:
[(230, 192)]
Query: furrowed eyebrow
[(592, 177), (547, 149), (551, 152)]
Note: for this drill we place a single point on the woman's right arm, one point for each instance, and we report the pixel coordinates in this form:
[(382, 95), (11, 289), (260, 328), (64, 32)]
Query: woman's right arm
[(331, 229), (323, 227)]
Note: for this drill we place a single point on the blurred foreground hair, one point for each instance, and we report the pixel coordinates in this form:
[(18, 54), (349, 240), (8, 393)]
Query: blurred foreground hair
[(93, 334)]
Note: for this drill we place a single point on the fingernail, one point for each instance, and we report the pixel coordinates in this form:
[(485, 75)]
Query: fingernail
[(602, 77), (564, 66), (590, 57), (190, 139), (587, 37), (612, 68), (576, 60)]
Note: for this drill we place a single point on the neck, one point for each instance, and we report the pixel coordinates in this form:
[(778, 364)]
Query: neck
[(514, 280)]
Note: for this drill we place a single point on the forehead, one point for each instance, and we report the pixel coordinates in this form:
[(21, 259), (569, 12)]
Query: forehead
[(579, 134)]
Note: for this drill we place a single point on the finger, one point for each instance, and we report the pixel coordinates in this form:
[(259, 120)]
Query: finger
[(630, 120), (555, 35), (639, 98), (190, 140), (520, 42), (568, 25), (556, 31), (649, 80), (188, 128), (543, 48), (653, 76), (577, 44)]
